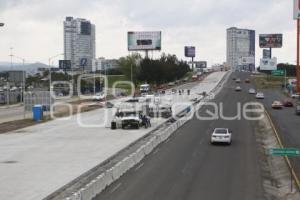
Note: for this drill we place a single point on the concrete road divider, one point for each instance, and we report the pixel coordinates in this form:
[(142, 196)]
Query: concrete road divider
[(74, 196)]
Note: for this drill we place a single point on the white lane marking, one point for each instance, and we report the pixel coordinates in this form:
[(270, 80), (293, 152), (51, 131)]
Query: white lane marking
[(138, 167), (115, 188), (156, 151)]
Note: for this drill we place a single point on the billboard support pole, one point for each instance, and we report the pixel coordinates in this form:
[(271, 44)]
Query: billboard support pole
[(298, 59), (146, 54), (193, 64), (270, 52)]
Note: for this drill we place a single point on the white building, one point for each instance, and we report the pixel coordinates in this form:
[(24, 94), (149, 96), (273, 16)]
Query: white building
[(79, 43), (240, 49)]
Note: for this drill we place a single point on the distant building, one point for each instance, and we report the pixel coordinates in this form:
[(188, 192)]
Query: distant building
[(240, 49), (79, 43), (106, 64)]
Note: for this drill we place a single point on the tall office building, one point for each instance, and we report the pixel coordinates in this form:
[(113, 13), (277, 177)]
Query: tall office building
[(240, 49), (79, 43)]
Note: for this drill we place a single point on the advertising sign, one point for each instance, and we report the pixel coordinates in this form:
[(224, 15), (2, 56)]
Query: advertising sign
[(201, 64), (190, 51), (144, 41), (246, 60), (64, 64), (296, 9), (15, 76), (270, 40), (266, 53), (268, 64)]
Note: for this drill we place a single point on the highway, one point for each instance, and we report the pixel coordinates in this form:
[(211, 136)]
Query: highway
[(188, 167)]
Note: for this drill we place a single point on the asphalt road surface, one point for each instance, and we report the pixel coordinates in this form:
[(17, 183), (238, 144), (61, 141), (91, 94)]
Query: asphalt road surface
[(188, 167)]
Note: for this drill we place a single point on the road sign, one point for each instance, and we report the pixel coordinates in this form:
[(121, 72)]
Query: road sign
[(284, 152), (277, 73)]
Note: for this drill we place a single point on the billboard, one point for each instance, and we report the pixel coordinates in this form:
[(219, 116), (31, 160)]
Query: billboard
[(270, 40), (144, 41), (15, 76), (246, 60), (296, 9), (190, 51), (201, 64), (269, 64), (64, 64), (266, 53)]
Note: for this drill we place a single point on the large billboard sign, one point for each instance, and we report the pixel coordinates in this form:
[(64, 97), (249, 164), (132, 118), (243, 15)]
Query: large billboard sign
[(201, 64), (296, 9), (190, 51), (15, 76), (246, 60), (269, 64), (138, 41), (64, 64), (270, 40)]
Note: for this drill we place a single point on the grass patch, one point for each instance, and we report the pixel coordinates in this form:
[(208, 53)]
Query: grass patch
[(268, 81)]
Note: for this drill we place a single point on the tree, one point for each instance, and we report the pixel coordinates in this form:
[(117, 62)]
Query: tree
[(130, 62)]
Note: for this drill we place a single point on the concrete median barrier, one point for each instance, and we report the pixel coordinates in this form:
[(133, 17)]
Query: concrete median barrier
[(74, 196)]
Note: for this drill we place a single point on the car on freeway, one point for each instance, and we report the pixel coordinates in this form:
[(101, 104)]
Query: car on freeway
[(99, 96), (296, 96), (234, 78), (247, 80), (260, 95), (238, 80), (288, 103), (252, 91), (277, 105), (221, 135), (238, 88), (298, 109)]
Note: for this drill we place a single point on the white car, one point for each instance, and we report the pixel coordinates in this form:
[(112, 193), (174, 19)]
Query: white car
[(252, 91), (260, 95), (99, 97), (238, 89), (221, 135), (295, 95)]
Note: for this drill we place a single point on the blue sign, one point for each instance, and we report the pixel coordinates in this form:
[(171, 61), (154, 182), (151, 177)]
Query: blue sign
[(83, 62)]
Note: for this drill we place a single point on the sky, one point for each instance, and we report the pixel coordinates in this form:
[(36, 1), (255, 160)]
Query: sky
[(34, 28)]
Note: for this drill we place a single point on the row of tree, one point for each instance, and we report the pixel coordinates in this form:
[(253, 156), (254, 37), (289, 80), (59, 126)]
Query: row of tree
[(166, 69)]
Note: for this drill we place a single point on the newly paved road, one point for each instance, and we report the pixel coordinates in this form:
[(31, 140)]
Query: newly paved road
[(187, 167), (286, 122)]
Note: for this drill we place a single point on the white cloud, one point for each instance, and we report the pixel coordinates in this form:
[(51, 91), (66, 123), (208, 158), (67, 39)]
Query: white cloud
[(35, 28)]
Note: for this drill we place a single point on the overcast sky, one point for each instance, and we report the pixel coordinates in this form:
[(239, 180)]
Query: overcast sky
[(34, 28)]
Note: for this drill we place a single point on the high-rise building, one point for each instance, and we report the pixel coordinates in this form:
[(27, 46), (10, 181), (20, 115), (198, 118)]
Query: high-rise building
[(79, 43), (240, 49)]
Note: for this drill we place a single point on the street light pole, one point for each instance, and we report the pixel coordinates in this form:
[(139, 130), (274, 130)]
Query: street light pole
[(50, 82), (23, 84)]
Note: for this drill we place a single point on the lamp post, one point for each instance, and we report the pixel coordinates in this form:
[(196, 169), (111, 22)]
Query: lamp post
[(50, 82), (23, 84)]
